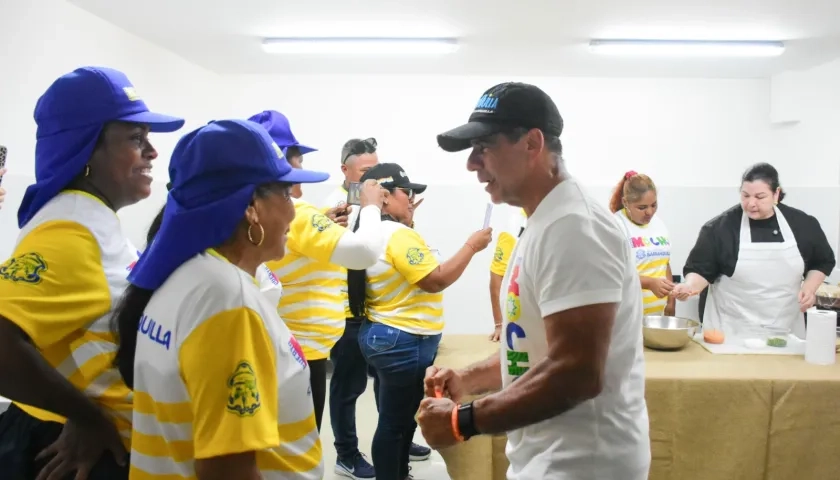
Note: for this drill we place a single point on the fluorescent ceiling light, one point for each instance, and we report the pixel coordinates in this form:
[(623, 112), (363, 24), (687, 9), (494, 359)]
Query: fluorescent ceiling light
[(687, 48), (361, 46)]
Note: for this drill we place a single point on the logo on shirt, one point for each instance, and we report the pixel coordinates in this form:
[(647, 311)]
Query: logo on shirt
[(517, 360), (641, 242), (499, 254), (297, 352), (243, 392), (154, 331), (272, 277), (131, 265), (26, 268), (414, 256), (321, 222)]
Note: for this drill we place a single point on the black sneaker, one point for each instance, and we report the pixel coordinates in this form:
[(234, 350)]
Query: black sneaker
[(357, 468), (418, 453)]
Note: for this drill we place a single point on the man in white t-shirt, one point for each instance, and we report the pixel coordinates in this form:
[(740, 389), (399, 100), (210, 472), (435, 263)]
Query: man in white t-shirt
[(571, 365)]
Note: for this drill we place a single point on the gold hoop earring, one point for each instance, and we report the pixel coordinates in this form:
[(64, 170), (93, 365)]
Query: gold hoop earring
[(251, 237), (87, 170)]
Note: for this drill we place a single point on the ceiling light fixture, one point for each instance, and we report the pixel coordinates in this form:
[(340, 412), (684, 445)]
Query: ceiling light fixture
[(688, 48), (361, 46)]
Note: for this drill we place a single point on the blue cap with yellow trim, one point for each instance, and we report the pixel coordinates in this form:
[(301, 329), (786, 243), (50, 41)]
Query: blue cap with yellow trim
[(215, 171), (281, 132), (70, 116)]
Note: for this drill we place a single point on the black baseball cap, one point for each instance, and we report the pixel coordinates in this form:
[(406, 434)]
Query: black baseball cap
[(507, 105), (391, 175)]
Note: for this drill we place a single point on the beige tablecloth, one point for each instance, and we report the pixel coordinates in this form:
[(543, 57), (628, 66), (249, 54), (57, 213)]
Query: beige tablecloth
[(712, 417)]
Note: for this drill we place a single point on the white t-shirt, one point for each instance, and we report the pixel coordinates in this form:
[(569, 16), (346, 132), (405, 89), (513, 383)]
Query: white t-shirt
[(337, 198), (651, 250), (574, 254)]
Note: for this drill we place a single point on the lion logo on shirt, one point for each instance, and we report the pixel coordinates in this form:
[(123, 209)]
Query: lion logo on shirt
[(26, 268), (414, 256), (321, 222), (243, 392), (499, 254)]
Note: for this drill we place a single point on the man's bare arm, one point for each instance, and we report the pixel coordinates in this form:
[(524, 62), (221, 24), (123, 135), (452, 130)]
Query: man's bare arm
[(482, 377), (572, 372)]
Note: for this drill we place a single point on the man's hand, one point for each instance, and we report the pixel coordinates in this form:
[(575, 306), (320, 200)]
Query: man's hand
[(79, 447), (417, 203), (339, 214), (444, 380), (435, 421)]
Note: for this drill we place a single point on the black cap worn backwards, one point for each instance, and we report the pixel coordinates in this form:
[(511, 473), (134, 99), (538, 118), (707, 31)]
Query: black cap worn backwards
[(505, 106), (391, 175)]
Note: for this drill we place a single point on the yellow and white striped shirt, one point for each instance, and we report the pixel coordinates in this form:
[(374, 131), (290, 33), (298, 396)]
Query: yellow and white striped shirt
[(314, 290), (393, 298), (506, 242), (651, 248), (68, 271), (217, 372)]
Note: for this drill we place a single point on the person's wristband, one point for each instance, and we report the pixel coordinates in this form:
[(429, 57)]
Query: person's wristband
[(471, 247), (466, 422), (456, 432)]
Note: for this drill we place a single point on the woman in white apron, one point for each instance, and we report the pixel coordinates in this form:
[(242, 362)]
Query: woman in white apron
[(634, 203), (762, 261)]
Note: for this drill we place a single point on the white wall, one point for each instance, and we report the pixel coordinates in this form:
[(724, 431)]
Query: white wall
[(43, 39), (694, 137), (684, 132)]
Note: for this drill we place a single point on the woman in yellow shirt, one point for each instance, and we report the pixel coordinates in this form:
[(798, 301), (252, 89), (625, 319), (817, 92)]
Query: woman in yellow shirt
[(635, 204), (402, 300), (67, 271), (221, 388)]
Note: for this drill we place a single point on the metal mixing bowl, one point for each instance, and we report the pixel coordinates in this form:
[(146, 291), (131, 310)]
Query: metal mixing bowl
[(668, 333)]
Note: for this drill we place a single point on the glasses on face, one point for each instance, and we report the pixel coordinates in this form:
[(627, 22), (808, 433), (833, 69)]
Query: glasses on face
[(367, 145), (408, 192)]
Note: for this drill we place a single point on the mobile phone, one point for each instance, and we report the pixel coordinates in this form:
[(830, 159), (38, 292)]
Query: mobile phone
[(3, 152), (354, 193)]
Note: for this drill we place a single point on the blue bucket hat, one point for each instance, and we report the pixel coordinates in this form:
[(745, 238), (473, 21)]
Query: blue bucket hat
[(215, 171), (70, 116), (278, 127)]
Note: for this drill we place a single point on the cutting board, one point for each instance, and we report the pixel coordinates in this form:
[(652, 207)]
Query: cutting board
[(795, 346)]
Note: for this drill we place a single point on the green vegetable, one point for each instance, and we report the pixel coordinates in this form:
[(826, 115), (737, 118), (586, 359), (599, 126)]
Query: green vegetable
[(776, 342)]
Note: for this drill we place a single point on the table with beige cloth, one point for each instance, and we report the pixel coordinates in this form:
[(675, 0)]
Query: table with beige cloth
[(712, 417)]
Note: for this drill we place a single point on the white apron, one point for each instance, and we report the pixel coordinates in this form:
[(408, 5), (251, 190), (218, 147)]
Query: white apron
[(763, 290)]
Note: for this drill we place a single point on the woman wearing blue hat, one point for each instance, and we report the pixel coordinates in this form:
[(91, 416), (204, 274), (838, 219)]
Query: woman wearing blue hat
[(402, 301), (221, 387), (312, 273), (68, 269)]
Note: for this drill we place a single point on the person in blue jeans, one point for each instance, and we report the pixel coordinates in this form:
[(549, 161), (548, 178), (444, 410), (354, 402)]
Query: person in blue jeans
[(401, 302), (350, 369)]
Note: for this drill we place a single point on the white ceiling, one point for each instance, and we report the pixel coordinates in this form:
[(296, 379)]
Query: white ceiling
[(546, 37)]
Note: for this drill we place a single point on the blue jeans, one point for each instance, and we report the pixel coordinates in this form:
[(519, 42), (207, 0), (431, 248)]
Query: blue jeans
[(400, 360), (349, 380)]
